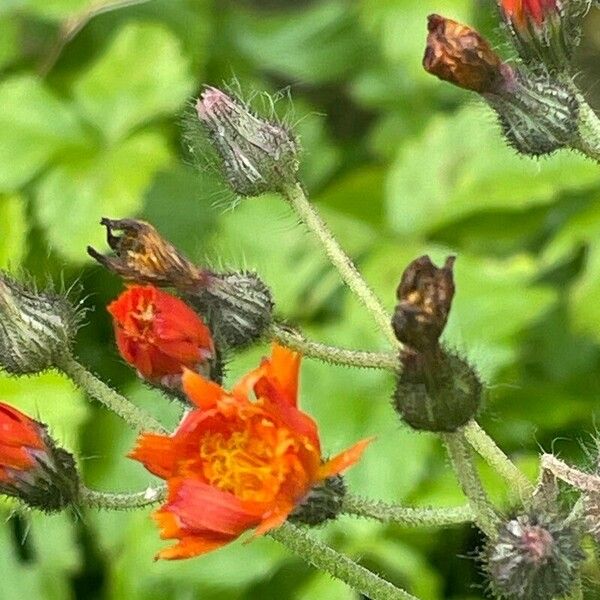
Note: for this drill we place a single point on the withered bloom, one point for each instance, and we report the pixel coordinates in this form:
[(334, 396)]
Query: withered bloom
[(538, 114), (458, 54), (424, 298), (437, 389), (142, 255)]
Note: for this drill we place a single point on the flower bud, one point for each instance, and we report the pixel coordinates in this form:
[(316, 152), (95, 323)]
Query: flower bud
[(437, 390), (545, 32), (32, 467), (538, 115), (535, 557), (159, 335), (142, 255), (257, 156), (323, 503), (424, 298), (36, 328), (237, 305)]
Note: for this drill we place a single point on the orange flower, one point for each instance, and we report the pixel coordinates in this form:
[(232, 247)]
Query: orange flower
[(519, 12), (159, 334), (32, 468), (236, 463)]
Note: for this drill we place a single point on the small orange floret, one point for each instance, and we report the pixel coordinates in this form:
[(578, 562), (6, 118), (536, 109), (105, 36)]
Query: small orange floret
[(158, 333), (237, 463)]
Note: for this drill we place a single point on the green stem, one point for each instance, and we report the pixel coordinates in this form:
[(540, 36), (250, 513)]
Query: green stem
[(332, 354), (348, 272), (325, 558), (462, 461), (411, 517), (588, 140), (135, 417), (111, 501), (484, 445)]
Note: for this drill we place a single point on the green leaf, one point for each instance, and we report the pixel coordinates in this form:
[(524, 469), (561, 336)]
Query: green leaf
[(13, 225), (584, 305), (53, 9), (34, 127), (143, 74), (74, 196), (9, 40), (461, 165)]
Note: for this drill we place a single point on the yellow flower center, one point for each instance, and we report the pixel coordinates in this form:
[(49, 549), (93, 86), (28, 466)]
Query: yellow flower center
[(251, 460)]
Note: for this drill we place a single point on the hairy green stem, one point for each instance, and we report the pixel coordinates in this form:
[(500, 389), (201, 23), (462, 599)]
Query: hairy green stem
[(462, 461), (124, 501), (332, 354), (588, 140), (341, 261), (586, 482), (411, 517), (485, 446), (134, 416), (325, 558)]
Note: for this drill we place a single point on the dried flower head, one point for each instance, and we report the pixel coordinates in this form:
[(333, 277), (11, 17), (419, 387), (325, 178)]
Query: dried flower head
[(535, 557), (36, 328), (424, 299), (538, 114), (258, 156), (159, 335), (32, 467), (458, 54), (236, 463), (142, 255)]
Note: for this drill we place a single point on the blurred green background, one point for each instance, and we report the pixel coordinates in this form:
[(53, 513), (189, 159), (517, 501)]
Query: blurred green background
[(399, 164)]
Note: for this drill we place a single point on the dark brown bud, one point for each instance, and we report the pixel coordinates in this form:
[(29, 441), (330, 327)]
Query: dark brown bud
[(144, 256), (458, 54), (424, 298)]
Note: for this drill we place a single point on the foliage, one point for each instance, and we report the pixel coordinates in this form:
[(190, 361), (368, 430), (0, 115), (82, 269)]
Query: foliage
[(399, 166)]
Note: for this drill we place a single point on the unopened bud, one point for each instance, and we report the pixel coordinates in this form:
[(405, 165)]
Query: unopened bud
[(539, 115), (545, 32), (142, 255), (323, 503), (36, 328), (258, 156), (535, 557), (32, 468), (424, 299), (238, 307)]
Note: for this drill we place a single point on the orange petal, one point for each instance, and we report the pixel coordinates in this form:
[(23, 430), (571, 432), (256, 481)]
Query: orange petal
[(202, 392), (282, 369), (343, 460), (157, 453), (274, 520), (202, 507), (243, 387), (190, 546)]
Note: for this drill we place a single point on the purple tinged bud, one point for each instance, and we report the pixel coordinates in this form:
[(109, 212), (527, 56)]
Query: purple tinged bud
[(257, 155)]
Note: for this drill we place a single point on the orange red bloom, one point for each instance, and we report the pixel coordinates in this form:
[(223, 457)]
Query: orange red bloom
[(237, 462), (519, 12), (32, 468), (159, 334)]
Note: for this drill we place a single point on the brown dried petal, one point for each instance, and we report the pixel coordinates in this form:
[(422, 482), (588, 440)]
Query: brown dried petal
[(144, 256), (458, 54), (425, 295)]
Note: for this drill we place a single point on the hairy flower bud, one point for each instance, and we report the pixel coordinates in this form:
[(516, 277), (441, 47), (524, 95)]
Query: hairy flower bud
[(238, 307), (32, 467), (538, 114), (424, 298), (323, 502), (258, 156), (142, 255), (36, 328), (535, 557), (545, 32)]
